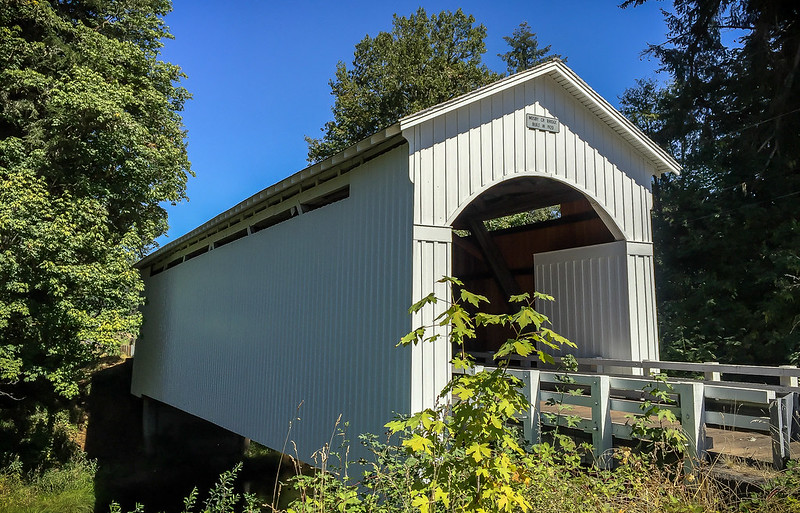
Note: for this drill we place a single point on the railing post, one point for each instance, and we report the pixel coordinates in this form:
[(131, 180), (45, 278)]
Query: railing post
[(692, 404), (780, 421), (650, 368), (795, 427), (712, 375), (788, 381), (531, 426), (601, 418)]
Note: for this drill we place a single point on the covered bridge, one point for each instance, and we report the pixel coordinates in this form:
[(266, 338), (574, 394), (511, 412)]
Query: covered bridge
[(299, 293)]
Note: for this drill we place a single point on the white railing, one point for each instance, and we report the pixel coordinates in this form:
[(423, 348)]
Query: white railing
[(712, 371), (773, 410), (788, 375)]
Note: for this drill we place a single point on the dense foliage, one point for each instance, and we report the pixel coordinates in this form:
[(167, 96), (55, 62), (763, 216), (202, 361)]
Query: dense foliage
[(91, 142), (727, 231), (424, 60)]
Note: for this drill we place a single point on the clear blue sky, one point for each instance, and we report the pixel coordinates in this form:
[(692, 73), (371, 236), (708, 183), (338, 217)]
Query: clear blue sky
[(259, 74)]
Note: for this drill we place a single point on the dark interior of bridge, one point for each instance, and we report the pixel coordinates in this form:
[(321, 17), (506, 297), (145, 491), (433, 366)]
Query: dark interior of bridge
[(493, 249)]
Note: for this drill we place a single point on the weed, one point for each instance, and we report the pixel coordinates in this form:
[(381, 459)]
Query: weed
[(65, 489)]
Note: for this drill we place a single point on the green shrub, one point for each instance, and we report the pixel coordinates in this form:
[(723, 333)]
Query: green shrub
[(222, 498)]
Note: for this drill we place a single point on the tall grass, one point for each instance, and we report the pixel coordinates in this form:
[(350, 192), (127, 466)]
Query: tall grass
[(65, 489), (554, 481)]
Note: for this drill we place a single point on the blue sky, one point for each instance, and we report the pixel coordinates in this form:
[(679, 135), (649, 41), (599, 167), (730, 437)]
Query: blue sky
[(259, 73)]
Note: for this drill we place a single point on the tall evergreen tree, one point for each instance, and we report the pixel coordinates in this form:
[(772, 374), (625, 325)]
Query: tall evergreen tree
[(91, 143), (524, 52), (728, 229)]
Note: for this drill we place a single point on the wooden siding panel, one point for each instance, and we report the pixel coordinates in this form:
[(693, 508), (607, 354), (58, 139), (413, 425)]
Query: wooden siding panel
[(486, 142), (451, 164), (308, 310), (519, 135), (509, 136), (530, 135), (566, 139), (424, 182), (591, 291), (643, 314), (439, 194), (462, 155), (474, 149), (430, 367), (497, 149)]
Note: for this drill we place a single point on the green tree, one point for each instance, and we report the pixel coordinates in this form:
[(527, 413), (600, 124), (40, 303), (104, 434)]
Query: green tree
[(525, 52), (91, 143), (423, 61), (727, 230)]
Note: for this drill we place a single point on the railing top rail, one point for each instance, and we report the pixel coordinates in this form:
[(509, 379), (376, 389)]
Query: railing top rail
[(629, 382), (757, 370), (760, 370)]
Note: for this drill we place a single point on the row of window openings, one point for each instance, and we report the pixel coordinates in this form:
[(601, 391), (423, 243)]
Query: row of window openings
[(302, 208)]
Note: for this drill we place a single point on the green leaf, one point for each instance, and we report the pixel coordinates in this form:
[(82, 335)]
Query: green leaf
[(395, 425), (523, 347), (519, 298), (479, 451), (473, 299), (412, 337), (463, 393), (451, 280), (418, 444), (427, 300), (460, 363)]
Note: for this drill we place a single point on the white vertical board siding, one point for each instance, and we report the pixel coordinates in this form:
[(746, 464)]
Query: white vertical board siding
[(492, 144), (590, 286), (642, 287), (430, 365), (604, 298), (308, 310)]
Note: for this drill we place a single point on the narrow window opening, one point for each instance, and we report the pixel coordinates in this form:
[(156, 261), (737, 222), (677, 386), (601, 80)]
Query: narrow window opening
[(271, 221), (230, 238), (321, 201), (195, 253), (174, 263)]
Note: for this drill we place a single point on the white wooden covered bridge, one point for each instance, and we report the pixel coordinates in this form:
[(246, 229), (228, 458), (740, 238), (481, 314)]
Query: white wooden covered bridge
[(300, 293)]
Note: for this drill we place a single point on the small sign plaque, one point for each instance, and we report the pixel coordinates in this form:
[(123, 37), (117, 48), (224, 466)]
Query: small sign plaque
[(535, 122)]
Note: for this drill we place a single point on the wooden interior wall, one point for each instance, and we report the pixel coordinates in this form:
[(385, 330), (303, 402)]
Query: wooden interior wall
[(578, 226)]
